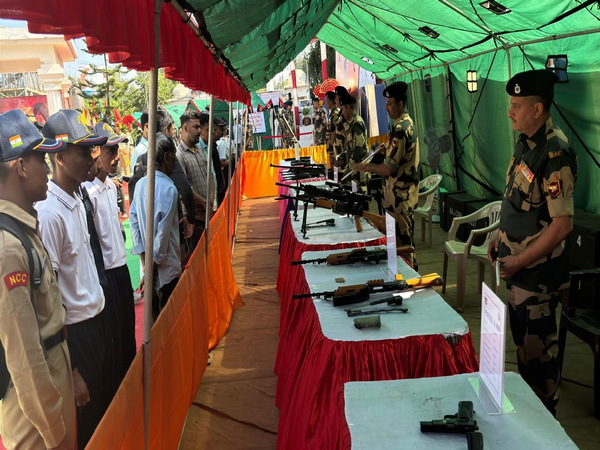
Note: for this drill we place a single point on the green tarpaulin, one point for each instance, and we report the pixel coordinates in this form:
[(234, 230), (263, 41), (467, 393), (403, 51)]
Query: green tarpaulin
[(438, 40)]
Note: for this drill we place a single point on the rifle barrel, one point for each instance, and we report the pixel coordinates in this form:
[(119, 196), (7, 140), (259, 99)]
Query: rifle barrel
[(309, 261)]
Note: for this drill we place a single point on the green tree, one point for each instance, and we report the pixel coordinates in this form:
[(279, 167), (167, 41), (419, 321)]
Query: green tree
[(136, 96)]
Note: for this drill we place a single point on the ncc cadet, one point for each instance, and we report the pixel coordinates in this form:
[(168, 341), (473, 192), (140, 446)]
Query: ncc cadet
[(355, 147), (330, 134), (400, 169), (536, 217), (320, 123), (119, 293), (288, 116), (37, 409), (64, 231), (339, 127)]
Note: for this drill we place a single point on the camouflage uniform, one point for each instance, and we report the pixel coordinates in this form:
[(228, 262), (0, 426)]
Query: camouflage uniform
[(400, 191), (539, 186), (320, 121), (330, 134), (339, 140), (288, 139), (356, 149), (249, 137)]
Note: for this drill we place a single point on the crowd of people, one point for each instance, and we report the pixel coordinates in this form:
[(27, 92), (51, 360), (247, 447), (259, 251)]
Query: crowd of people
[(64, 259)]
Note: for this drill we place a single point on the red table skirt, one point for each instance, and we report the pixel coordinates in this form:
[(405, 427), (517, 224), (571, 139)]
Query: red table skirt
[(312, 369)]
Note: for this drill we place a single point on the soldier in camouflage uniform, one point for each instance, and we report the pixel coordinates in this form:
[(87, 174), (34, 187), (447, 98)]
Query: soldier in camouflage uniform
[(340, 127), (330, 134), (400, 169), (536, 217), (320, 123), (249, 137), (288, 115), (355, 146)]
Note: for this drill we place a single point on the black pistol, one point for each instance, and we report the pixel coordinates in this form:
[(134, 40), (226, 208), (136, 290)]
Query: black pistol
[(462, 422)]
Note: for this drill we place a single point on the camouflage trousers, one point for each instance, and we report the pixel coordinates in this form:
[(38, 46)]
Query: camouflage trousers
[(288, 141), (532, 318), (405, 236)]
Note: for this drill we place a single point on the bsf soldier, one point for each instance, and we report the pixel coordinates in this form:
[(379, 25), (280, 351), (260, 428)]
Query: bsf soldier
[(288, 116), (37, 409), (355, 148), (536, 217), (330, 134), (400, 168), (320, 123), (339, 140)]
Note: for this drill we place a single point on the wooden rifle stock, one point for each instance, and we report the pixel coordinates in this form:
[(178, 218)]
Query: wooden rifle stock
[(359, 227), (376, 220)]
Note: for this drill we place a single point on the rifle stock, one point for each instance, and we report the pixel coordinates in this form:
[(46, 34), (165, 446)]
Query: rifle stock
[(358, 225), (376, 221)]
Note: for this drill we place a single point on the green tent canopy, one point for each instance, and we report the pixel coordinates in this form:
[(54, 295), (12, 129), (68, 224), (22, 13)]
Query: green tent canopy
[(433, 45)]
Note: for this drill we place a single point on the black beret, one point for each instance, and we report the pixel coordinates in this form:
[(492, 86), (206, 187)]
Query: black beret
[(341, 91), (347, 100), (396, 90), (533, 82), (330, 95)]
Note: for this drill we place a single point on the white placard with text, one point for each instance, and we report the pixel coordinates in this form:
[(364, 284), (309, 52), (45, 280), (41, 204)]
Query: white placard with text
[(390, 225), (354, 187), (493, 340), (336, 173), (257, 120)]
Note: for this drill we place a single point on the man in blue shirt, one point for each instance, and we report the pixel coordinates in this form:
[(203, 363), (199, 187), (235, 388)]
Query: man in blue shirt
[(167, 252), (142, 147)]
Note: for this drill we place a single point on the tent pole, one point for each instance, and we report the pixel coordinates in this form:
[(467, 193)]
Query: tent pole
[(229, 179), (508, 46), (238, 180), (414, 100), (512, 133), (149, 253), (452, 124), (209, 204)]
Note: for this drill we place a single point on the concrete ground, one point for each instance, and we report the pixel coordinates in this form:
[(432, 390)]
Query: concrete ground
[(575, 409)]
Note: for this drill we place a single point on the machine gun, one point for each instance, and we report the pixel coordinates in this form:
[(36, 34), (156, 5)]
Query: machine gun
[(337, 195), (357, 293), (462, 422), (312, 170), (355, 256)]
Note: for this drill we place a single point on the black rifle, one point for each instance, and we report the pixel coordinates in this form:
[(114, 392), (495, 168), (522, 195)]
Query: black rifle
[(337, 195), (462, 422), (358, 293), (321, 223), (355, 256)]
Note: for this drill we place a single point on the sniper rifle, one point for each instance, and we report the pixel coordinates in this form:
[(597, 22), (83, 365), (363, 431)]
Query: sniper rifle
[(358, 293), (355, 256)]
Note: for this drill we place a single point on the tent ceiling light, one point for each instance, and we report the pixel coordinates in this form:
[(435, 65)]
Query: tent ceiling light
[(367, 60), (429, 32), (389, 48), (495, 7), (558, 64), (471, 81)]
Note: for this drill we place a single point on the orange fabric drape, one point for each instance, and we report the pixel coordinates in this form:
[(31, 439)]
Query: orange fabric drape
[(261, 177), (195, 319)]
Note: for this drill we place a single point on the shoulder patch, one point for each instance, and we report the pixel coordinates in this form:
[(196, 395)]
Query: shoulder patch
[(554, 188), (16, 279), (555, 154)]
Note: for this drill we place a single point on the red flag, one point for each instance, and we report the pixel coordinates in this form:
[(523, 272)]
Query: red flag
[(281, 102), (259, 109), (270, 104)]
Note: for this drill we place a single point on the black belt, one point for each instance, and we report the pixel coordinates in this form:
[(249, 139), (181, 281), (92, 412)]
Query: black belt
[(53, 341)]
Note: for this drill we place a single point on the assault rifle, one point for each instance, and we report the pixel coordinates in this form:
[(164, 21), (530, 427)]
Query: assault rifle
[(358, 293), (337, 195), (314, 170), (355, 256)]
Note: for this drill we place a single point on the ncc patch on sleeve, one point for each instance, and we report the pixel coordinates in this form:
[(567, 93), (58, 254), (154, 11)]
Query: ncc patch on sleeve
[(16, 279), (554, 188)]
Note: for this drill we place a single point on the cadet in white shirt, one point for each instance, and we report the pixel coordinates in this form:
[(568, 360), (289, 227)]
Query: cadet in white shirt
[(63, 228), (119, 292)]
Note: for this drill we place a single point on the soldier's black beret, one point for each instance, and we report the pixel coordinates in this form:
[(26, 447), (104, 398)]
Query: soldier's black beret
[(396, 90), (533, 82), (341, 91), (330, 95), (347, 100)]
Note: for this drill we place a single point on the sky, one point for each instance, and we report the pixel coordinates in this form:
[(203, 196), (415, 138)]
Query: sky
[(70, 68)]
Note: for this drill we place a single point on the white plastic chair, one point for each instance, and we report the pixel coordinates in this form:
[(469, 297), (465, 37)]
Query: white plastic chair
[(461, 251), (428, 210)]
